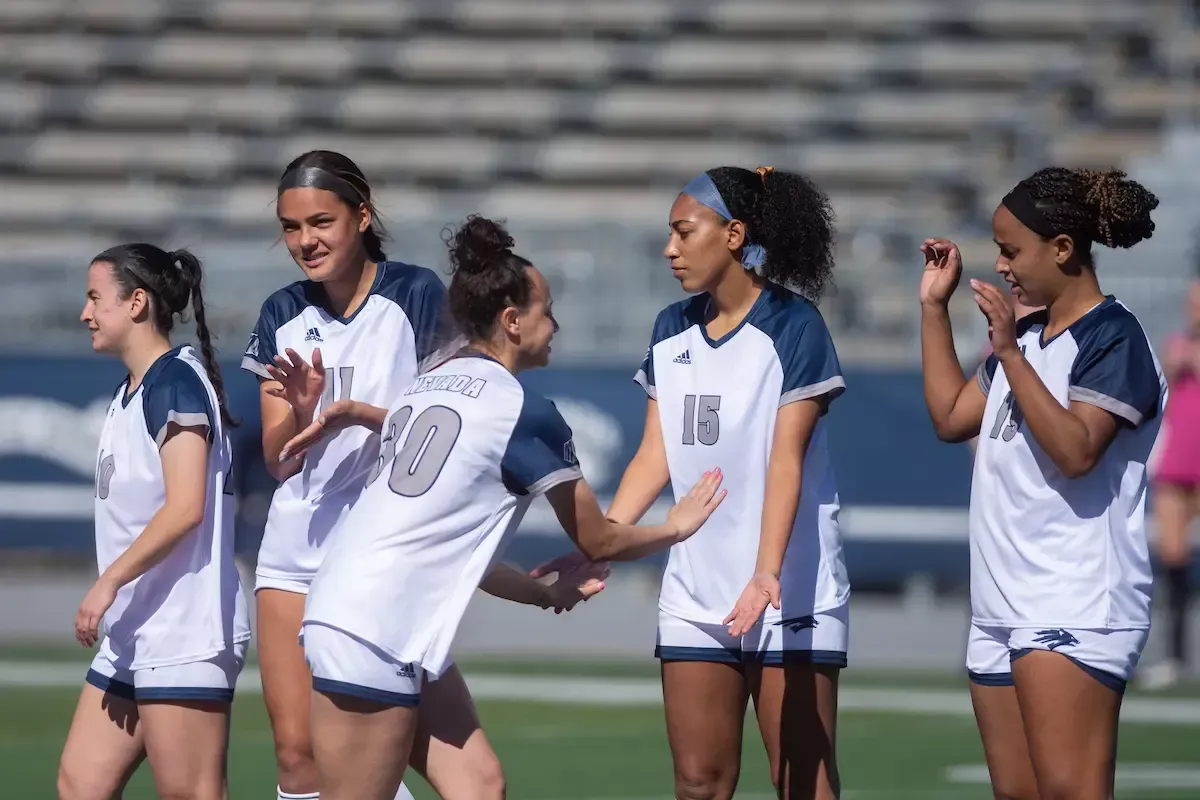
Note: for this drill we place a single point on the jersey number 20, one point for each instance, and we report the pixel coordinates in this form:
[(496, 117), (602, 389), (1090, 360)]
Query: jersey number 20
[(419, 461)]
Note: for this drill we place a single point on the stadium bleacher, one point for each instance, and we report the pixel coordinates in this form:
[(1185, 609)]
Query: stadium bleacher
[(576, 121)]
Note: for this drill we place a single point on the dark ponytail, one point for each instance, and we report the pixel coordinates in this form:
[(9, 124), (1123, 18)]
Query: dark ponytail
[(334, 172), (487, 276), (790, 218), (171, 280)]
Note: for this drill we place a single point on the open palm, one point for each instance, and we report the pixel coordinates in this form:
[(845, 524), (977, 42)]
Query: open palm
[(301, 383)]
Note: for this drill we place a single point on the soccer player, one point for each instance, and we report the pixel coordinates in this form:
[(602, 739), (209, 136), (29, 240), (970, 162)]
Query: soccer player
[(741, 374), (465, 450), (355, 330), (167, 608), (1067, 409)]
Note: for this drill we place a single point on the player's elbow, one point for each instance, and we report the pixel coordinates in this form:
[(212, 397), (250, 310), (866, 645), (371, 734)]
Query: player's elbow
[(952, 433), (1076, 465), (187, 514)]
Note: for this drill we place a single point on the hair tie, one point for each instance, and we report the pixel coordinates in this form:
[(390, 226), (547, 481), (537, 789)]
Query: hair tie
[(763, 172)]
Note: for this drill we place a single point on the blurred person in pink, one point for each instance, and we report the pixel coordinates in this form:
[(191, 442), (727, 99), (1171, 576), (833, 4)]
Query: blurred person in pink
[(1176, 477)]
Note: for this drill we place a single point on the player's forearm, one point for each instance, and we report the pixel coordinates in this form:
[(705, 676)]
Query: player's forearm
[(615, 541), (173, 522), (369, 416), (779, 515), (275, 437), (943, 376), (510, 584), (1063, 436), (643, 481)]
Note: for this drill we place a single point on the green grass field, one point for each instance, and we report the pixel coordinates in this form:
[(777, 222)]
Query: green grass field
[(619, 752)]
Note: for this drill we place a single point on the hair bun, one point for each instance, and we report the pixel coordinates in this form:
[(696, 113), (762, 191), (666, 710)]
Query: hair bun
[(1122, 208), (478, 244)]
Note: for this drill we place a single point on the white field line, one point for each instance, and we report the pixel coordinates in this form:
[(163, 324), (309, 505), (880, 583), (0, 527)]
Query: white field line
[(647, 691)]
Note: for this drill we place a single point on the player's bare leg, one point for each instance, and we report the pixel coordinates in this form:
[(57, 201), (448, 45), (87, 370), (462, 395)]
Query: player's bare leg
[(1002, 729), (796, 707), (361, 747), (450, 749), (705, 706), (187, 744), (287, 687), (1070, 724), (104, 747)]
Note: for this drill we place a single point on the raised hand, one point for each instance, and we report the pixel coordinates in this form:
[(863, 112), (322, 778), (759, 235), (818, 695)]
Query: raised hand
[(697, 505), (762, 589), (1002, 323), (943, 269), (301, 384), (337, 416)]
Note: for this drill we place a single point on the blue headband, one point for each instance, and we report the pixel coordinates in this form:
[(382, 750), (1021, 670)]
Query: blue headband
[(704, 191)]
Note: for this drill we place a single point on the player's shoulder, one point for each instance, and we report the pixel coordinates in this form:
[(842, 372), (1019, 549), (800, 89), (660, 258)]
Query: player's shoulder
[(539, 417), (401, 282), (289, 302), (1106, 326), (175, 385), (679, 316), (784, 314)]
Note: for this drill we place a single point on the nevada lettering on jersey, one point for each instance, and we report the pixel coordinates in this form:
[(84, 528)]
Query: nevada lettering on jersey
[(463, 384)]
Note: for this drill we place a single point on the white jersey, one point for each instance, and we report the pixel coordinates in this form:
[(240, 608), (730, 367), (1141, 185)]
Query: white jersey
[(188, 607), (463, 454), (369, 356), (1047, 550), (717, 404)]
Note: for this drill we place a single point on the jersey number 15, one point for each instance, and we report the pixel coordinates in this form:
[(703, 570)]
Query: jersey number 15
[(419, 461)]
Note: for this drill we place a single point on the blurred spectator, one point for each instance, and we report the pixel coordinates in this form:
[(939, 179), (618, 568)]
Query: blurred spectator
[(1175, 471)]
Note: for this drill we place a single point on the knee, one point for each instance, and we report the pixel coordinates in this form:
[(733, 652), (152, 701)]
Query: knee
[(704, 782), (1014, 791), (297, 768), (483, 780), (70, 785)]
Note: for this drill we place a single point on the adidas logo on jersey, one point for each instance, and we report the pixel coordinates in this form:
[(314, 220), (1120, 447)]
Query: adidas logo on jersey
[(405, 671), (313, 335), (683, 358)]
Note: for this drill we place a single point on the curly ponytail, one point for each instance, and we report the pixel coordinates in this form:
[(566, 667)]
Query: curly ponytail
[(790, 217)]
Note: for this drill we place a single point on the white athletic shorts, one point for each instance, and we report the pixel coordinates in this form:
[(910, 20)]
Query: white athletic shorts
[(213, 679), (344, 664), (822, 638), (1109, 656)]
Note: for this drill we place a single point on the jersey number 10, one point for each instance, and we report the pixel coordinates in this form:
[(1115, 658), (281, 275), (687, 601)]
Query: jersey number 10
[(419, 462)]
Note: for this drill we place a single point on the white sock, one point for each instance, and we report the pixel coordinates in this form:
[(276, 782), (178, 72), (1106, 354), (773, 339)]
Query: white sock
[(402, 794)]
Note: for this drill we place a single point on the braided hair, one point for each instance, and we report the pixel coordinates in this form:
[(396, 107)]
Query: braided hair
[(1093, 206), (172, 280), (789, 217)]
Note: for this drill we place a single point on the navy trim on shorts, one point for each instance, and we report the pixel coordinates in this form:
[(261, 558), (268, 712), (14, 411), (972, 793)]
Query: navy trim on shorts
[(327, 686), (183, 693), (990, 678), (713, 655), (722, 655), (1111, 681), (109, 685)]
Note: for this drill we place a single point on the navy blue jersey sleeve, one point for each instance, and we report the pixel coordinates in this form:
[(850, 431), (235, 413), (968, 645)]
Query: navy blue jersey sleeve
[(803, 346), (176, 394), (1115, 369), (986, 372), (278, 309), (540, 453)]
